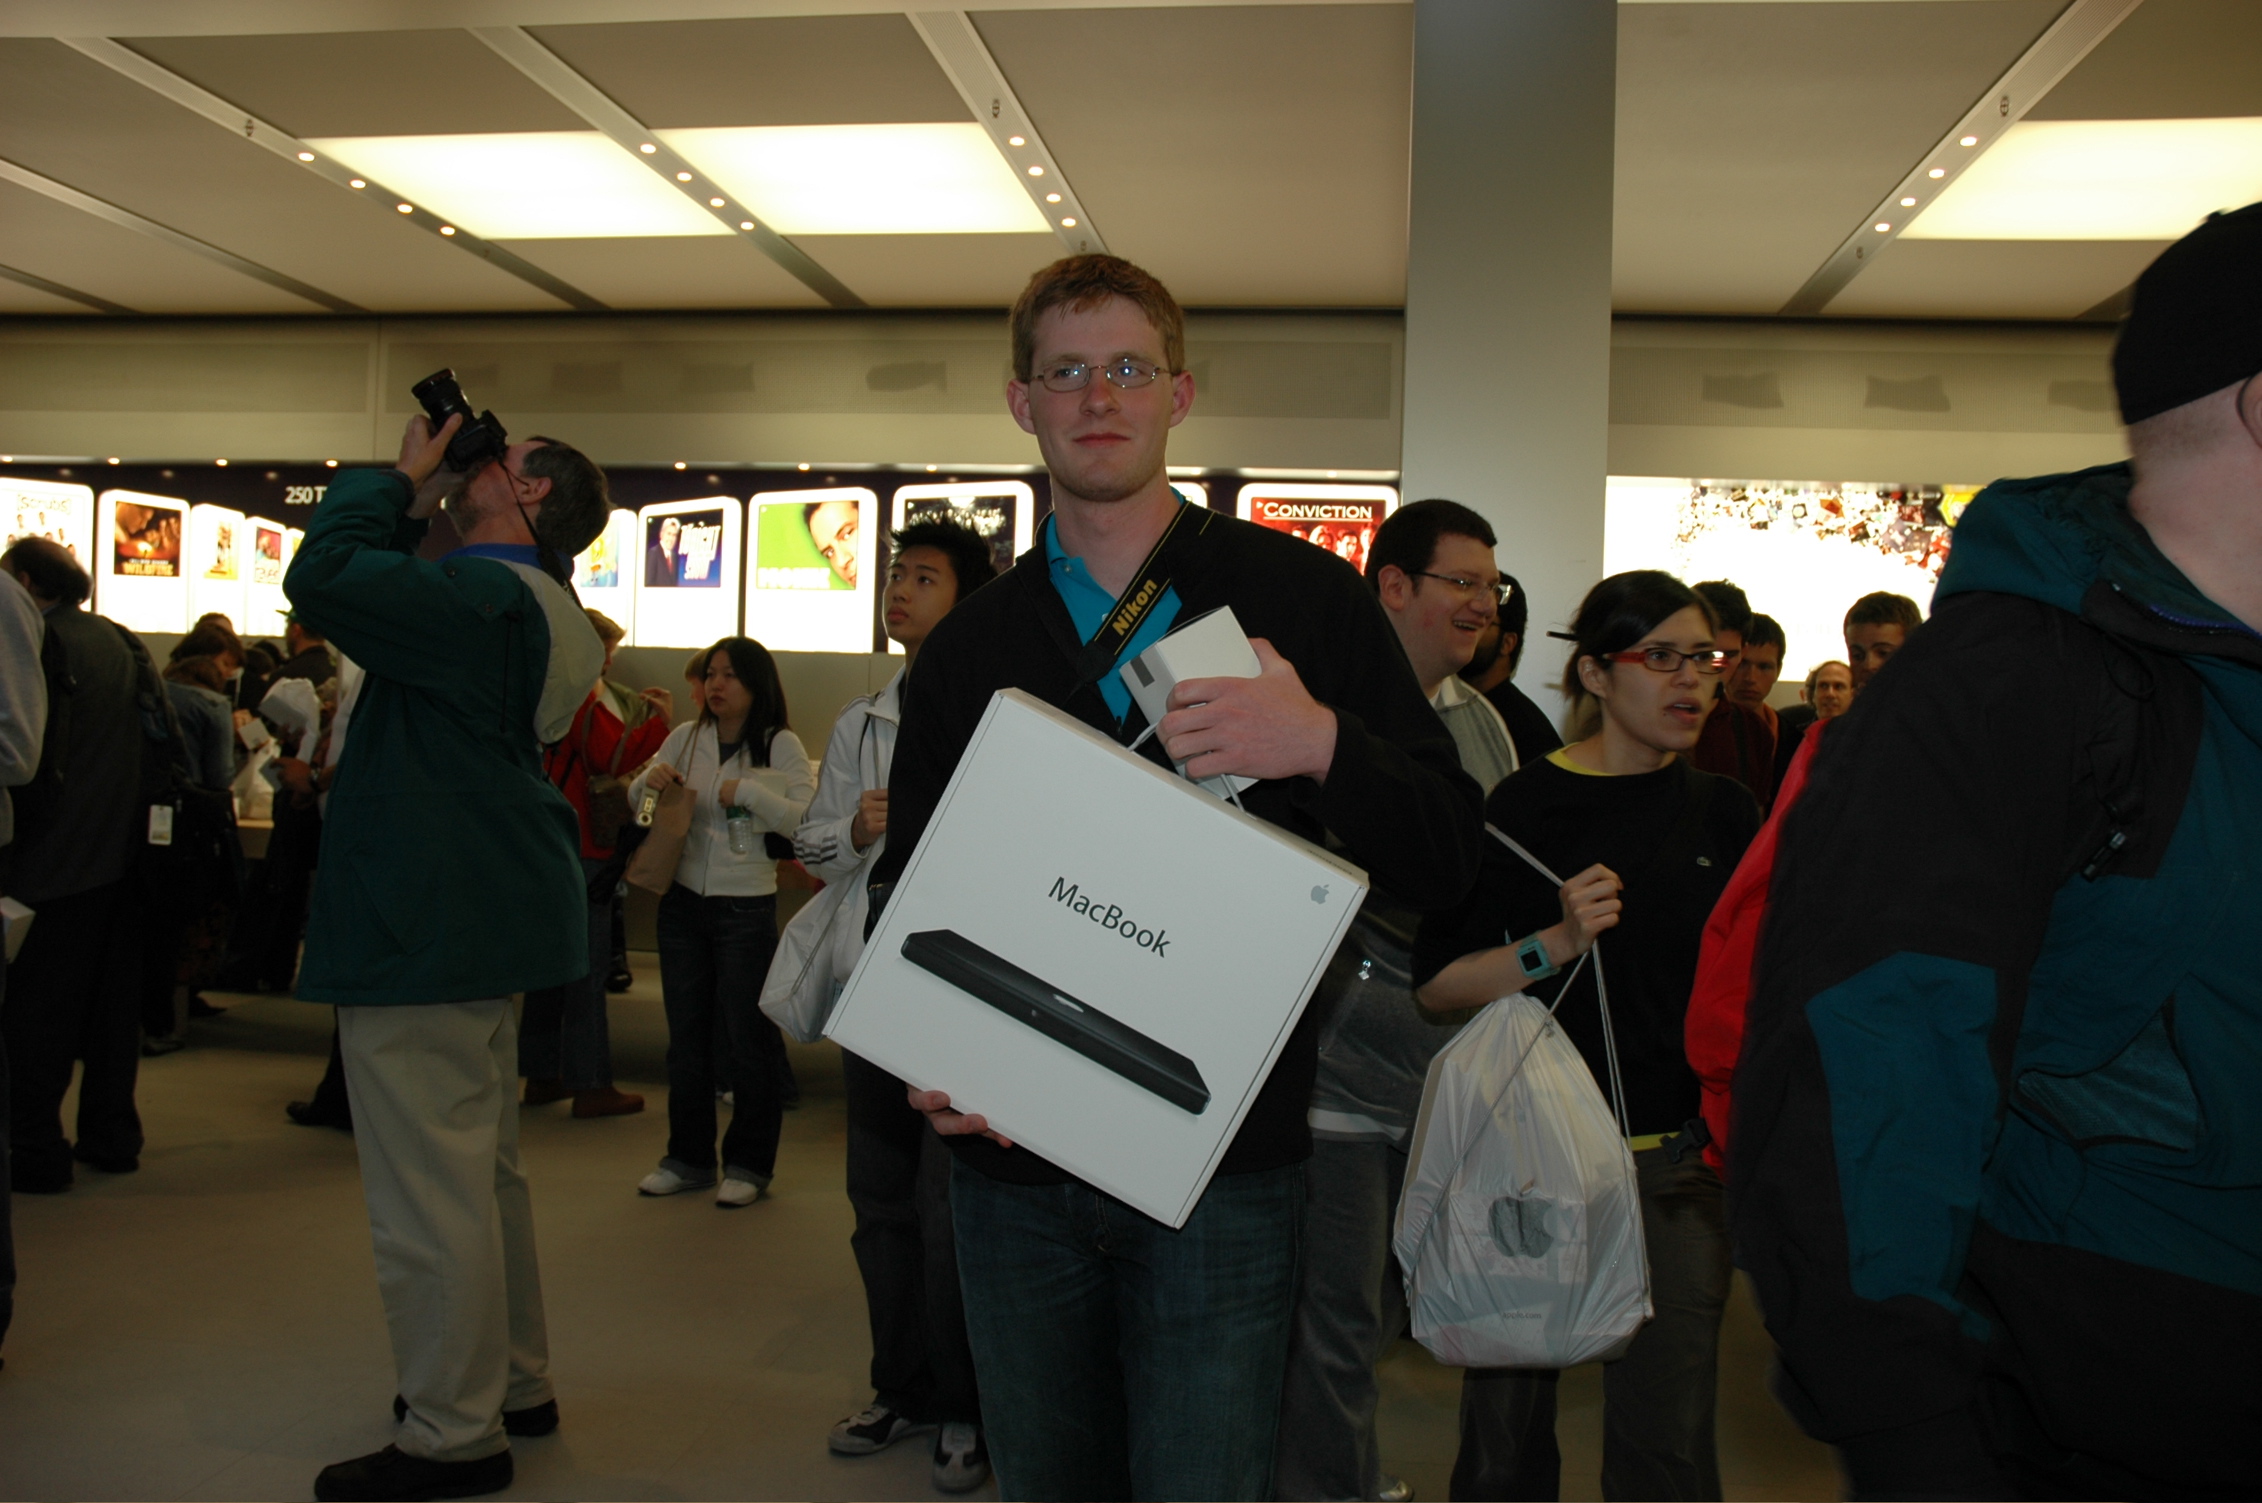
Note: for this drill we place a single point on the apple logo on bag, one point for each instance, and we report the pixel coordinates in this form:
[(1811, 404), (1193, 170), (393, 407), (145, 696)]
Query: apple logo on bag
[(1319, 894)]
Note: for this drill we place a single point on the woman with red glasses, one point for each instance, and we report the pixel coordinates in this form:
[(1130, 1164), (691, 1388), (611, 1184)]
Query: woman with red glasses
[(1647, 843)]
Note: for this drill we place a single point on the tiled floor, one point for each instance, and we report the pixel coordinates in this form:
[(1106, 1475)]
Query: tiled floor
[(209, 1327)]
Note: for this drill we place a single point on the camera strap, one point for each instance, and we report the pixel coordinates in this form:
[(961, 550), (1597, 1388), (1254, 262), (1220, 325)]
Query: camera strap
[(1142, 595)]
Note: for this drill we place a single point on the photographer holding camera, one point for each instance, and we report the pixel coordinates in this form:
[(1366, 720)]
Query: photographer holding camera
[(450, 878)]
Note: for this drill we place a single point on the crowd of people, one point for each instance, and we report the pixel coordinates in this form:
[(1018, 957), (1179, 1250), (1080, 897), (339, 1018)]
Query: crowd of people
[(1932, 1000)]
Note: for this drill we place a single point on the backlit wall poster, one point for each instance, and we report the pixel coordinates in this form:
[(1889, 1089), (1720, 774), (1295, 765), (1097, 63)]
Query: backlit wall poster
[(685, 557), (812, 569), (1192, 492), (1340, 518), (140, 578), (267, 550), (1003, 512), (218, 540), (48, 509), (604, 573), (1803, 550)]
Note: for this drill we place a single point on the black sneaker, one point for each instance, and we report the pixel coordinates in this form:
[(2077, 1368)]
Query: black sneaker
[(542, 1419), (394, 1476), (962, 1458), (875, 1429), (620, 980)]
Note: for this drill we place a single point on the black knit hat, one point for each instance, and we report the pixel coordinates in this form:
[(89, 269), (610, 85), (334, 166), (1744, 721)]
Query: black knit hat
[(2195, 323)]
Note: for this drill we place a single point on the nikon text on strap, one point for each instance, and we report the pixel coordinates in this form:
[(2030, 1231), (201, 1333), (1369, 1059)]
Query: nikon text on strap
[(1139, 598)]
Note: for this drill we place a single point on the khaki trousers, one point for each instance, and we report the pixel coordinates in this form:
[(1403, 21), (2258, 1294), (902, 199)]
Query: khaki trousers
[(435, 1120)]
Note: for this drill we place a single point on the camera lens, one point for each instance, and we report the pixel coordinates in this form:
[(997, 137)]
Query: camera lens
[(440, 397)]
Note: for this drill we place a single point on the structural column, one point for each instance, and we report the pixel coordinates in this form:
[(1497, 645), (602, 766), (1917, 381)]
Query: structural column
[(1507, 395)]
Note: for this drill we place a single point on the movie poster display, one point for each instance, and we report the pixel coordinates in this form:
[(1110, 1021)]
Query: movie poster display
[(1192, 492), (687, 581), (813, 569), (218, 545), (140, 576), (604, 573), (1340, 518), (49, 509), (267, 550), (1002, 512)]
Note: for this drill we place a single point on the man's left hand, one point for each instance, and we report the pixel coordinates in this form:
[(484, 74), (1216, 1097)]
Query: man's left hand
[(423, 452), (1263, 727), (296, 776)]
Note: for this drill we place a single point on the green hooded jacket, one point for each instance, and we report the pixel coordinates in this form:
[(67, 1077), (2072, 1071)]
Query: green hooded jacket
[(450, 866)]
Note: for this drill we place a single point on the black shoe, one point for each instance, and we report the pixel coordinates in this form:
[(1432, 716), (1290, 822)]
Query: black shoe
[(542, 1419), (153, 1048), (199, 1008), (620, 981), (108, 1163), (31, 1182), (394, 1476), (304, 1114)]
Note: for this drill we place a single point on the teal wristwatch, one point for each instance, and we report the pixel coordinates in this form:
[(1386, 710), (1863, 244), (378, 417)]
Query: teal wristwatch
[(1531, 955)]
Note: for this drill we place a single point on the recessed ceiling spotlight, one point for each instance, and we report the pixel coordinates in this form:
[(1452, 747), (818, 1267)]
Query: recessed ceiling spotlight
[(1068, 224), (1937, 172), (306, 156), (804, 467), (110, 461), (329, 464), (1036, 172), (647, 148), (1016, 141), (1052, 198), (357, 182), (683, 177), (1331, 474), (447, 229), (932, 468), (714, 203), (11, 459), (746, 224), (679, 464), (1881, 227), (1908, 203), (1969, 141), (222, 463), (405, 208)]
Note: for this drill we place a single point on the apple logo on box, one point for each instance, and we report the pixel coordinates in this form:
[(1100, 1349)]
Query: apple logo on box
[(1319, 894)]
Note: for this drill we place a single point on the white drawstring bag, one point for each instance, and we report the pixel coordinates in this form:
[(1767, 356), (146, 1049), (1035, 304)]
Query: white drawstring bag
[(1520, 1227)]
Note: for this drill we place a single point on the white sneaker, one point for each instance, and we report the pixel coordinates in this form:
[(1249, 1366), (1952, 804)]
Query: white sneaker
[(737, 1193), (665, 1181), (962, 1461)]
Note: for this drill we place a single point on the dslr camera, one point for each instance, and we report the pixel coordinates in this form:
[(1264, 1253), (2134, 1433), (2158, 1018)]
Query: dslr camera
[(479, 440)]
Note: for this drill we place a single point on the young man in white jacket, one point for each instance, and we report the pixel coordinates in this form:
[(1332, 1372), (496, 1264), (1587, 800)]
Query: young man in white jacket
[(898, 1170)]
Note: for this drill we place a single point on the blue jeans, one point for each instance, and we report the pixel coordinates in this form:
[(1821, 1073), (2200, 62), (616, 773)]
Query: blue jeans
[(1121, 1359), (563, 1034), (714, 954)]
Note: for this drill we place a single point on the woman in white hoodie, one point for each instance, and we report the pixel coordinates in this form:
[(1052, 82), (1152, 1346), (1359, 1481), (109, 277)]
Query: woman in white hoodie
[(749, 777)]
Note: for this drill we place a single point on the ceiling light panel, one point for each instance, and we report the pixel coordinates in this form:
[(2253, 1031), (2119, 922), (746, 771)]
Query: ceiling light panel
[(916, 179), (527, 185), (2099, 180)]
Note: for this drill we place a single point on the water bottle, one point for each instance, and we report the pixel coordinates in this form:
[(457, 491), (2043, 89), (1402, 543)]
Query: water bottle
[(740, 825)]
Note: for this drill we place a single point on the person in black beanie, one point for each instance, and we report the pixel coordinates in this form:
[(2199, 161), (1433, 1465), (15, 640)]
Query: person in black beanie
[(1995, 1166)]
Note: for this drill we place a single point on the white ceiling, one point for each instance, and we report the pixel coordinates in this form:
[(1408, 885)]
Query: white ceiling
[(1252, 155)]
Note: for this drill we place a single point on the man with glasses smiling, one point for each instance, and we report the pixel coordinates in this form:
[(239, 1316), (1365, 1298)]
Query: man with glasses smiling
[(1119, 1358)]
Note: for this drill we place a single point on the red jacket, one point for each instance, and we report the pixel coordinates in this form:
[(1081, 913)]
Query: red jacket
[(590, 746), (1714, 1032)]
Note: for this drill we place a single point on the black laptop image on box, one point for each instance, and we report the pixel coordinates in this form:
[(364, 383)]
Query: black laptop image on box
[(1103, 1040)]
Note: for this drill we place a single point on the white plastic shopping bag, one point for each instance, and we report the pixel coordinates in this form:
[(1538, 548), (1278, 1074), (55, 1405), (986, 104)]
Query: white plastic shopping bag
[(816, 951), (1520, 1228)]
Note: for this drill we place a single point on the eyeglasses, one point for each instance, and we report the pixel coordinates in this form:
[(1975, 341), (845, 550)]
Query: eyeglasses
[(1499, 589), (1123, 373), (1666, 660)]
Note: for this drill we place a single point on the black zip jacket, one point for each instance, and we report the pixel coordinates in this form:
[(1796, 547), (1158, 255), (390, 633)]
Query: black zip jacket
[(1395, 794)]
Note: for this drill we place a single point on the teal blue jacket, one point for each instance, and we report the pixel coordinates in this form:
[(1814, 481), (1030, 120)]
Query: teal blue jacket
[(1999, 1108), (450, 866)]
